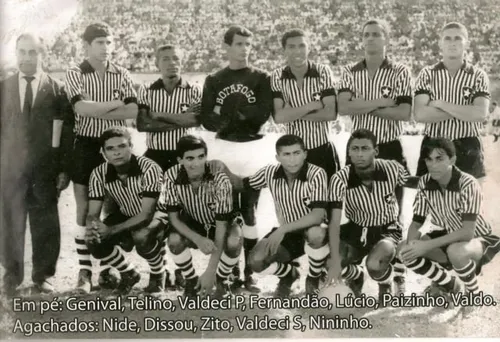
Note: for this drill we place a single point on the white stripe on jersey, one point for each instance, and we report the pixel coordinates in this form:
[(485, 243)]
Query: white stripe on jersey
[(144, 180), (391, 80), (469, 82), (449, 207), (155, 98), (308, 190), (318, 83), (82, 80), (365, 207)]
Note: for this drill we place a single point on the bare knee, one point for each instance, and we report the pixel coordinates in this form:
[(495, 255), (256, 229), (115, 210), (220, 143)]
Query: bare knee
[(457, 253), (316, 236), (176, 243), (380, 257), (258, 259), (234, 241)]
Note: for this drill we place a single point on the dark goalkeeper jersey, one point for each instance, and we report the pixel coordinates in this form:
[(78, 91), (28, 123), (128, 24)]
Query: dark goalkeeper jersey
[(244, 101)]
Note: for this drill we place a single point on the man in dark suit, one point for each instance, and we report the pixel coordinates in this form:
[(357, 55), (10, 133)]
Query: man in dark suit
[(33, 171)]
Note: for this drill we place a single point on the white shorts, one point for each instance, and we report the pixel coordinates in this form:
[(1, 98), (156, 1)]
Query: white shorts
[(243, 159)]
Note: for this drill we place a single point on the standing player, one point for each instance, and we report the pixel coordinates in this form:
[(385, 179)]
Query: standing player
[(102, 95), (134, 183), (453, 200), (236, 102), (495, 120), (299, 193), (452, 99), (199, 202), (167, 107), (376, 93), (366, 189), (304, 99)]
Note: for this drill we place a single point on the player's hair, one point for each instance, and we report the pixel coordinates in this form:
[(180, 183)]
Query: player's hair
[(41, 44), (439, 143), (384, 25), (164, 47), (190, 143), (495, 103), (236, 30), (362, 134), (291, 34), (97, 30), (455, 25), (289, 140), (114, 132)]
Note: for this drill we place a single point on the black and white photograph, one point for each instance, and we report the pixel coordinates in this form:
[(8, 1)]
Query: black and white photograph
[(237, 169)]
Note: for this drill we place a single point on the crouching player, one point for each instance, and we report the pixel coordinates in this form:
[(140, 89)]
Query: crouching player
[(199, 200), (367, 190), (134, 183), (299, 190), (453, 200)]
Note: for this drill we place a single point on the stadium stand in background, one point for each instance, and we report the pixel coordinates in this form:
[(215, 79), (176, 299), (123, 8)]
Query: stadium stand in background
[(199, 24)]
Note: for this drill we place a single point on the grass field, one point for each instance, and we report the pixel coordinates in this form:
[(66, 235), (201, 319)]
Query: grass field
[(389, 322)]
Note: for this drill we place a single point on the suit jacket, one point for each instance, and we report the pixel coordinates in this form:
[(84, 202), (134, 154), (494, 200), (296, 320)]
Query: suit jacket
[(26, 141)]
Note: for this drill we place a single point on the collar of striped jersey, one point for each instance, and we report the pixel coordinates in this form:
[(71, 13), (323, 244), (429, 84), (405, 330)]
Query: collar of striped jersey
[(158, 84), (453, 185), (354, 180), (466, 66), (312, 71), (302, 176), (86, 68), (183, 179), (386, 63), (134, 170)]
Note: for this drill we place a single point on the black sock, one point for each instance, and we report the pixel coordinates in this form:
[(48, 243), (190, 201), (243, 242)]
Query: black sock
[(248, 245)]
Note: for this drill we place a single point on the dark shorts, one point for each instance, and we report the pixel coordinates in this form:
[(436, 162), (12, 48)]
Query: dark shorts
[(86, 157), (491, 246), (124, 239), (363, 243), (166, 159), (470, 157), (392, 150), (293, 243), (325, 156), (205, 230)]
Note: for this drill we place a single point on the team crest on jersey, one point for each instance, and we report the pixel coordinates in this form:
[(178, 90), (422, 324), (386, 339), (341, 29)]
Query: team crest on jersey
[(211, 205), (467, 92), (316, 96), (386, 91), (306, 200), (184, 107), (389, 198), (116, 94)]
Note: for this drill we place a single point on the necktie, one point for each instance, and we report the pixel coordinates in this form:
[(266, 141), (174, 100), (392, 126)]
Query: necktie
[(28, 97)]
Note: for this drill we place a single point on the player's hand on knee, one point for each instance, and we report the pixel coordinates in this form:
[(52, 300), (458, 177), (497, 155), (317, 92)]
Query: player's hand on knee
[(206, 246)]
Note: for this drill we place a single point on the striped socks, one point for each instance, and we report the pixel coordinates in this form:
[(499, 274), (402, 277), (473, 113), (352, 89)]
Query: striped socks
[(184, 261)]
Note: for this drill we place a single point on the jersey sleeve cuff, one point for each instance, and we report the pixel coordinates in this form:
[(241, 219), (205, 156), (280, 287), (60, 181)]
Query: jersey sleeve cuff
[(419, 219), (223, 217), (423, 92), (344, 90), (469, 217), (130, 100), (318, 204), (336, 205), (172, 208), (277, 95), (246, 183), (403, 99), (76, 98), (151, 194), (328, 92), (481, 94), (143, 106)]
